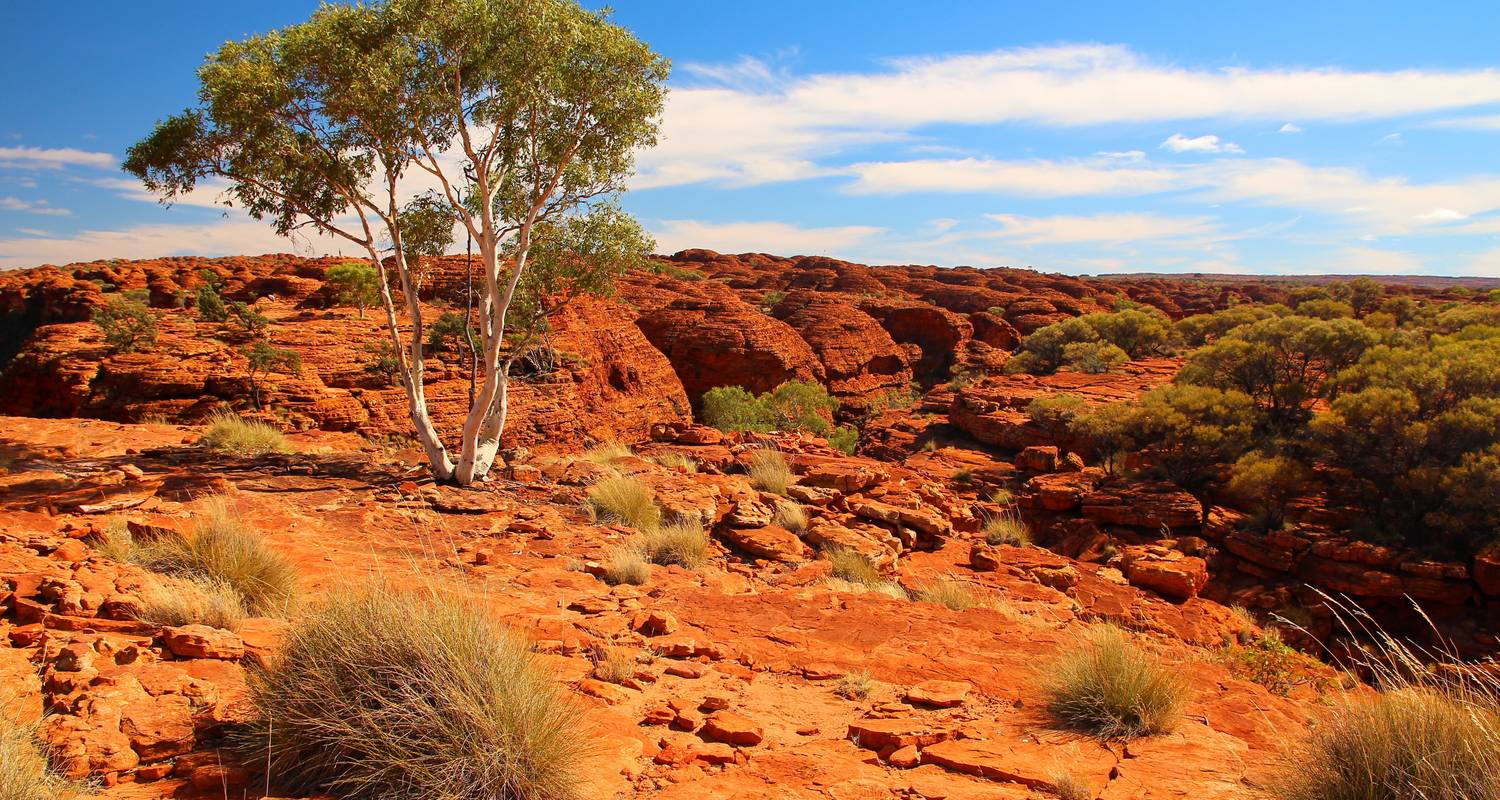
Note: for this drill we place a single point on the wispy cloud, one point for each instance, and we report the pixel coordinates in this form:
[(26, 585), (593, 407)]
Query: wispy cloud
[(1290, 127), (32, 207), (1114, 228), (218, 238), (53, 158), (763, 236), (1210, 143)]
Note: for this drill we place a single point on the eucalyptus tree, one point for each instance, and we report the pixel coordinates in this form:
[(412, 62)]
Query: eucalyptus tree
[(519, 119)]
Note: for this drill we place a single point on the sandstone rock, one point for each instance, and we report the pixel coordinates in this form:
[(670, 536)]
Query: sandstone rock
[(1148, 505), (939, 694), (201, 641), (1038, 458), (1178, 578), (879, 734), (731, 728), (771, 542)]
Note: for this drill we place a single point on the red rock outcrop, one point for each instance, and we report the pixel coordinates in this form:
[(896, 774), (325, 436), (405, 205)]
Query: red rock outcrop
[(859, 358)]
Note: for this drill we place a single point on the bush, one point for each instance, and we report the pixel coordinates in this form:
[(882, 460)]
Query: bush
[(1267, 660), (1108, 687), (682, 543), (844, 438), (851, 566), (400, 695), (261, 359), (626, 564), (769, 471), (1095, 358), (792, 406), (255, 323), (608, 453), (128, 325), (950, 593), (1270, 482), (243, 437), (677, 461), (855, 685), (210, 305), (731, 408), (354, 284), (624, 499)]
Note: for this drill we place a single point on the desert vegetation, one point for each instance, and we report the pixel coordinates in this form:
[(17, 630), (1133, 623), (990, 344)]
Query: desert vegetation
[(792, 406), (236, 435), (412, 694), (1108, 686)]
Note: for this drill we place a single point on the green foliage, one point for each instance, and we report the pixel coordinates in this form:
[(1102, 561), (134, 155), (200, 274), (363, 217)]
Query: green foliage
[(382, 362), (1191, 429), (250, 318), (1270, 481), (1093, 357), (844, 438), (1200, 329), (262, 359), (128, 325), (1325, 309), (1055, 415), (1281, 363), (792, 406), (773, 299), (407, 695), (354, 284), (210, 305), (426, 228), (1267, 660), (1132, 332), (448, 330)]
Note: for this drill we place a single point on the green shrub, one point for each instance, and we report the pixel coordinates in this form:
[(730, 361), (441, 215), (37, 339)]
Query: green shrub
[(731, 408), (844, 438), (243, 437), (210, 305), (354, 284), (792, 406), (1269, 481), (128, 325), (1109, 687), (855, 685), (1266, 660), (261, 359), (1093, 357), (625, 500), (407, 696), (769, 471)]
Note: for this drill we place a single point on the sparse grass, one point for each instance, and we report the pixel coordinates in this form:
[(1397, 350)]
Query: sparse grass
[(24, 773), (851, 566), (1109, 687), (626, 564), (614, 664), (626, 500), (1006, 528), (1069, 787), (855, 685), (220, 551), (963, 476), (769, 471), (407, 695), (677, 461), (1266, 660), (608, 453), (790, 516), (114, 541), (1003, 497), (231, 433), (950, 593), (681, 542), (1433, 733), (199, 601)]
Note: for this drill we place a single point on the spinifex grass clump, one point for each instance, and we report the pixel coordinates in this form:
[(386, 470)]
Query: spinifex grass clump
[(243, 437), (24, 773), (1432, 732), (404, 695), (624, 499), (1109, 687), (683, 543), (769, 471)]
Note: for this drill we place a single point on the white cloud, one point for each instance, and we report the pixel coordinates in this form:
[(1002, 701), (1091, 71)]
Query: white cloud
[(1210, 143), (32, 207), (1391, 138), (1289, 128), (219, 238), (1099, 228), (1038, 178), (769, 237), (745, 123), (1488, 123), (53, 158), (33, 231)]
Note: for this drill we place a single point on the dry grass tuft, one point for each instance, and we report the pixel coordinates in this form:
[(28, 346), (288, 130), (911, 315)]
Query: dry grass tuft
[(626, 500), (769, 471), (193, 601), (220, 551), (1109, 687), (790, 516), (608, 453), (1069, 787), (681, 542), (404, 695), (677, 461), (851, 566), (24, 772), (243, 437), (1432, 733), (1006, 529), (949, 592), (614, 665), (626, 564), (855, 685)]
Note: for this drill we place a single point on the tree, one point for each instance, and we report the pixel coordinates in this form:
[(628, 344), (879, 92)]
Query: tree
[(262, 360), (1191, 431), (1282, 363), (255, 323), (210, 305), (526, 114), (1269, 481), (1095, 358), (355, 284), (1055, 415), (127, 324), (426, 232)]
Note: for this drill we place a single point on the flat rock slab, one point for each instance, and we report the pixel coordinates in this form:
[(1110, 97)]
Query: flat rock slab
[(939, 694), (1039, 766)]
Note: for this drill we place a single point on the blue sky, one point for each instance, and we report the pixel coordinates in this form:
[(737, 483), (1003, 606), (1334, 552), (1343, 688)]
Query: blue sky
[(1075, 137)]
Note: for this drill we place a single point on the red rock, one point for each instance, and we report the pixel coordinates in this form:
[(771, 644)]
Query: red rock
[(1038, 458), (1178, 578), (939, 694), (1021, 761), (731, 728), (1143, 505), (859, 358), (878, 734), (905, 757), (772, 542), (201, 641)]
